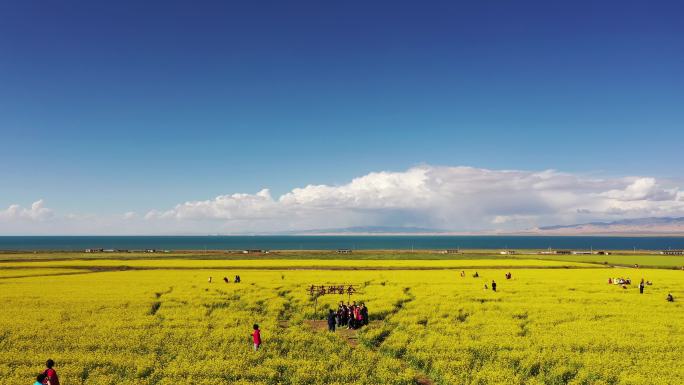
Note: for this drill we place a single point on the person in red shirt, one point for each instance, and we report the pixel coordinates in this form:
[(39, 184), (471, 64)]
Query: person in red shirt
[(357, 317), (256, 337), (50, 374)]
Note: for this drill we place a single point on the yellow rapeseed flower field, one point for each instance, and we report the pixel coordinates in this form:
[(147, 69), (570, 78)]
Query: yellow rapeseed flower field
[(170, 325)]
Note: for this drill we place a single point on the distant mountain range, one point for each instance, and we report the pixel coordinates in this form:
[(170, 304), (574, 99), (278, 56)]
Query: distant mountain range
[(654, 226), (637, 226), (371, 230)]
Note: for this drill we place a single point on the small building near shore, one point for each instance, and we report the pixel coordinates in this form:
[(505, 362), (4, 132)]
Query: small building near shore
[(582, 252), (344, 251), (507, 252), (672, 252), (255, 251)]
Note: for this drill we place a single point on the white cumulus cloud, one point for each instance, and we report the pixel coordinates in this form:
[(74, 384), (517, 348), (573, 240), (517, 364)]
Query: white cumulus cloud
[(456, 198), (37, 212), (450, 198)]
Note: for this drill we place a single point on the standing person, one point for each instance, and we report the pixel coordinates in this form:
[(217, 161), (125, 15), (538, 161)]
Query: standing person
[(256, 337), (209, 279), (350, 317), (641, 286), (493, 285), (364, 314), (344, 311), (331, 320), (50, 373), (340, 314), (358, 319), (41, 379)]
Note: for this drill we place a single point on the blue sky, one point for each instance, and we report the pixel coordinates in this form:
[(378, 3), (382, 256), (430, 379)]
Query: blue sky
[(121, 106)]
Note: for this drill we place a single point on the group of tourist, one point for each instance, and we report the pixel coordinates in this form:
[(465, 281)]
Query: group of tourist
[(352, 316), (486, 287), (48, 376), (493, 286), (620, 281), (227, 280), (642, 285)]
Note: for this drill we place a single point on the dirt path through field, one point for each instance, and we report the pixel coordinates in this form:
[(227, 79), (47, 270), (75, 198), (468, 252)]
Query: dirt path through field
[(350, 336)]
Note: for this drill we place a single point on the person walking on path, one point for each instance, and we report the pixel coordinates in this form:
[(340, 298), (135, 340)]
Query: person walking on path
[(256, 337), (51, 377), (331, 320), (493, 285)]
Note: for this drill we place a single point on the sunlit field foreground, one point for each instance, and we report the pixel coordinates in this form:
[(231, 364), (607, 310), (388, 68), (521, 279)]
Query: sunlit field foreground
[(104, 322)]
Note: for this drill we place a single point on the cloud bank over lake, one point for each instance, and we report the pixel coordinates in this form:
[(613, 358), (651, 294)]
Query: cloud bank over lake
[(463, 199)]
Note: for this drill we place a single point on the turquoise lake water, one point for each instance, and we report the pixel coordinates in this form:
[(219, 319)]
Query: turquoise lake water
[(334, 242)]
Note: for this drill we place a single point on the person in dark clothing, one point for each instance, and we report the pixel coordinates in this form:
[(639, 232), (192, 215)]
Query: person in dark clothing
[(331, 320), (641, 286), (341, 314), (364, 314), (493, 285), (237, 279), (41, 379), (476, 275), (670, 298), (226, 280)]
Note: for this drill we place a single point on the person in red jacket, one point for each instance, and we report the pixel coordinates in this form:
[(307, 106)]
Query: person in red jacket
[(50, 373), (256, 337)]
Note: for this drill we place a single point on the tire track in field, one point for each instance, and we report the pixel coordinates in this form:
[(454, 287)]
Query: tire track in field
[(162, 354)]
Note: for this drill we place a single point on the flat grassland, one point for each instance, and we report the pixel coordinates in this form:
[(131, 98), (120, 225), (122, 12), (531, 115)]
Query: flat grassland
[(159, 321), (618, 258)]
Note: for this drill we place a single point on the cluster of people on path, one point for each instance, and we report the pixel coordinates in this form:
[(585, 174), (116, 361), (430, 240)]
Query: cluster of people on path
[(350, 316), (227, 280), (48, 376)]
